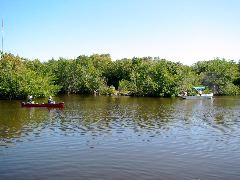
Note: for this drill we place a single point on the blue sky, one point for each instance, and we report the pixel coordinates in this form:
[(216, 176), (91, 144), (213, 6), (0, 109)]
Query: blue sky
[(177, 30)]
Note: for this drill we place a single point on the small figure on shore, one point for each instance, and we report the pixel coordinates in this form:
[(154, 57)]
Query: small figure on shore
[(200, 92), (50, 100)]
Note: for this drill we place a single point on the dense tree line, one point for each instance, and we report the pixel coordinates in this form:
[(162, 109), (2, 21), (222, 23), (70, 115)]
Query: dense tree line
[(98, 74)]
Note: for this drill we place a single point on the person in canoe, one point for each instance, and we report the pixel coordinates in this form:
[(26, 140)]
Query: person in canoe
[(30, 99), (185, 93), (50, 100)]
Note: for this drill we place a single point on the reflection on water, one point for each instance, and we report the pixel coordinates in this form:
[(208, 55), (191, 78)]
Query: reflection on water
[(121, 137)]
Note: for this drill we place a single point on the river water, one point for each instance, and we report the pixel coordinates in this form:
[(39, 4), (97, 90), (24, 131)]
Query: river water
[(121, 138)]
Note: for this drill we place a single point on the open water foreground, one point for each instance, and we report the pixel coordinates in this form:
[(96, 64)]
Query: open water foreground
[(121, 138)]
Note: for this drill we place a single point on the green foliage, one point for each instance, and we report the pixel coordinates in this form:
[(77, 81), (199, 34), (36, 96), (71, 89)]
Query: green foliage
[(155, 78), (97, 73), (125, 87), (107, 90), (18, 79), (219, 75), (79, 76), (117, 71)]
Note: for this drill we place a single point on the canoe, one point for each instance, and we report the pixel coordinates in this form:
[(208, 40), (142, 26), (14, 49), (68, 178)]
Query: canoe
[(56, 105), (203, 96)]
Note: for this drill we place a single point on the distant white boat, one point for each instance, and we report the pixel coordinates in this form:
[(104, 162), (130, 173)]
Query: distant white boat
[(203, 96), (199, 89)]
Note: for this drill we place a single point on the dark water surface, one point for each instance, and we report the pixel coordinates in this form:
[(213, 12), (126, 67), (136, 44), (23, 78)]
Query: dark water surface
[(121, 138)]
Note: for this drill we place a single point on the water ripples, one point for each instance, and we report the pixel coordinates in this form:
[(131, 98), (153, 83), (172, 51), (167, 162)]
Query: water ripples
[(137, 118), (150, 137)]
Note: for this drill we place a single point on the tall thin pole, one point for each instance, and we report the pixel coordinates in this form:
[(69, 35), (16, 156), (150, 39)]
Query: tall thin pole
[(2, 35)]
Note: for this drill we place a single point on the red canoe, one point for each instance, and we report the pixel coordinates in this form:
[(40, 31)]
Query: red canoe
[(57, 105)]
